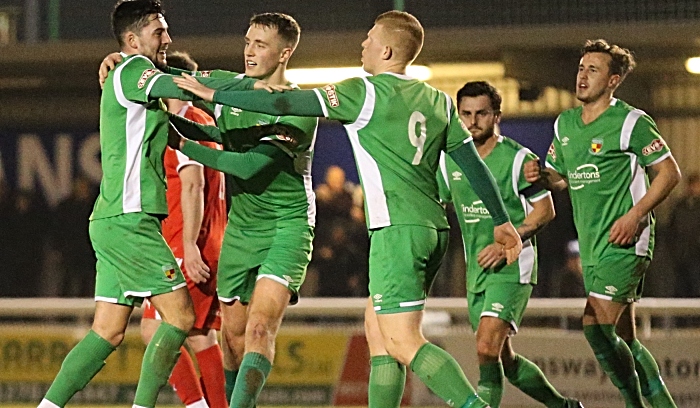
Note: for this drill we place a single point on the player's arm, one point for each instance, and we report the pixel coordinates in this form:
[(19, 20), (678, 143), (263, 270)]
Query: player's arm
[(627, 228), (295, 103), (546, 177), (241, 165), (646, 143), (461, 149), (542, 213), (195, 131), (192, 203), (165, 87)]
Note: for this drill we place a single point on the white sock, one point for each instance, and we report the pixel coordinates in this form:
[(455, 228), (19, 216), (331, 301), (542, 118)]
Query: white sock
[(47, 404), (199, 404)]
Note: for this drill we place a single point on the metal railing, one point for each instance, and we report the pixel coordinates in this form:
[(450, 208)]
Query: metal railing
[(352, 308)]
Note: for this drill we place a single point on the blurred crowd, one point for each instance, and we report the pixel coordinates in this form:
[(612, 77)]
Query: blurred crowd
[(46, 251)]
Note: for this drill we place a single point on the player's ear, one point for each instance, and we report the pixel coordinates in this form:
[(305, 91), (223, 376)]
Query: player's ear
[(285, 55), (387, 52), (131, 39), (614, 81)]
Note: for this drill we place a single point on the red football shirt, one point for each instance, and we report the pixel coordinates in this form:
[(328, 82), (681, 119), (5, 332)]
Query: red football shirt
[(211, 233)]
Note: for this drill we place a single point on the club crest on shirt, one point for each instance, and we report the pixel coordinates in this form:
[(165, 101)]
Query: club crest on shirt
[(332, 95), (552, 152), (170, 272), (654, 146), (144, 77), (205, 74), (596, 146)]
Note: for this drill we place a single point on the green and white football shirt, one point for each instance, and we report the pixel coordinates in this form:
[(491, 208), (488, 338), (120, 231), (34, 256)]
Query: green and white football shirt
[(506, 164), (133, 136), (397, 126), (281, 194), (604, 163)]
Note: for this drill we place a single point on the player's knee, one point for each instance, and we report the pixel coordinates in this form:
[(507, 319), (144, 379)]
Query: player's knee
[(258, 332), (486, 348), (114, 338)]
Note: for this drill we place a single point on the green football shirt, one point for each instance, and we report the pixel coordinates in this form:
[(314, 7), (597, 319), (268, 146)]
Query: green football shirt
[(604, 162), (133, 136), (506, 164), (397, 126), (281, 194)]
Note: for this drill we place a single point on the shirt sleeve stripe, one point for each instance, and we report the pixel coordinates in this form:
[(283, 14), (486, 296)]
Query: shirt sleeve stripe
[(322, 102)]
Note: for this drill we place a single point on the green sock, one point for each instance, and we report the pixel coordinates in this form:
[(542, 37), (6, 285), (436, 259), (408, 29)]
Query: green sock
[(653, 387), (251, 377), (441, 373), (528, 378), (616, 360), (387, 379), (82, 363), (230, 376), (158, 361), (490, 387)]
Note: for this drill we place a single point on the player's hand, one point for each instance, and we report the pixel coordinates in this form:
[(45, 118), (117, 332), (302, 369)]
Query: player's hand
[(189, 83), (532, 171), (507, 236), (626, 230), (491, 256), (196, 269), (107, 65), (262, 85)]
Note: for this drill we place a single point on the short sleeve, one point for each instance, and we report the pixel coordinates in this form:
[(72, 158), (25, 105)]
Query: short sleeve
[(646, 142), (442, 180), (457, 133), (343, 101), (303, 129), (137, 78), (555, 160)]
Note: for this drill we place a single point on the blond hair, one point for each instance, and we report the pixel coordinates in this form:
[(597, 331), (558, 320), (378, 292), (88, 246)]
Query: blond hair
[(405, 33)]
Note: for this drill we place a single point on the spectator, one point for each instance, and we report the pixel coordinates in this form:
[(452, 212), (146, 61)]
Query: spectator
[(71, 239), (25, 248), (571, 277), (685, 248)]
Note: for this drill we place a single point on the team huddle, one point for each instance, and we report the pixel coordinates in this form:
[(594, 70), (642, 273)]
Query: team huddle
[(198, 272)]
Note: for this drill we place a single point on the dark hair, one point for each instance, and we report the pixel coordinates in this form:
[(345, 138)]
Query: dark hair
[(286, 26), (478, 88), (181, 60), (132, 15), (621, 59)]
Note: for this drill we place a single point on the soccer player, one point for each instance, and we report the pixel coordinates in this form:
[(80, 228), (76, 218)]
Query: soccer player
[(397, 126), (498, 293), (268, 240), (270, 229), (133, 260), (600, 152), (194, 230)]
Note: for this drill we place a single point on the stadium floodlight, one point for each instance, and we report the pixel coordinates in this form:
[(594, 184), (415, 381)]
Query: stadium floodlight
[(314, 76), (692, 65)]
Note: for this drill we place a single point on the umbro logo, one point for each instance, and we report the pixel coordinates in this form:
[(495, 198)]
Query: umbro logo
[(377, 298), (497, 307), (565, 141), (457, 176), (236, 111), (610, 290)]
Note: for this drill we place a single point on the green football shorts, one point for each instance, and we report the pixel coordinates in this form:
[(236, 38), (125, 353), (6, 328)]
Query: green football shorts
[(403, 262), (280, 254), (133, 260), (616, 278), (505, 300)]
